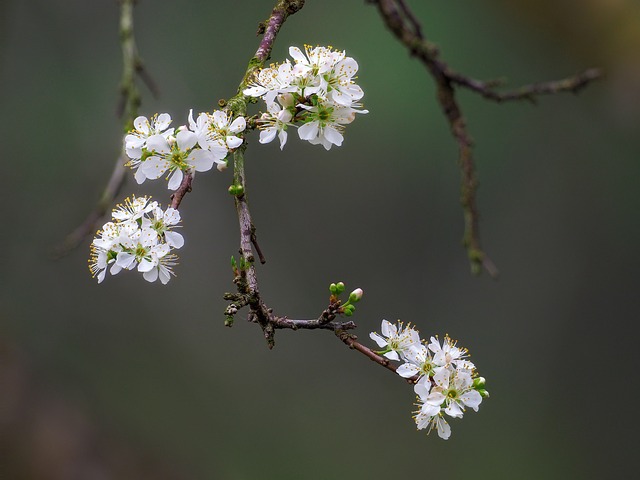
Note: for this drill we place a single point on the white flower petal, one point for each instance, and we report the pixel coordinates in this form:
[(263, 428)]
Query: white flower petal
[(444, 430), (157, 143), (267, 135), (407, 370), (153, 167), (151, 275), (472, 399), (333, 136), (202, 160), (308, 131), (378, 339), (174, 239), (175, 180), (141, 124), (233, 141), (145, 265), (186, 140), (238, 125), (162, 122)]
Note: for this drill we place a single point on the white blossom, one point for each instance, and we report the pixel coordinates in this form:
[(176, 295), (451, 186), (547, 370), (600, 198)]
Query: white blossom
[(322, 93), (396, 340), (175, 158), (272, 81), (138, 237), (324, 124), (418, 362), (276, 121), (137, 138), (457, 388)]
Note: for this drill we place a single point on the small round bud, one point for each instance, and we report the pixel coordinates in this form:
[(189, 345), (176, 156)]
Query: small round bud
[(333, 288), (479, 382), (483, 393), (286, 100), (340, 287), (182, 128), (355, 295)]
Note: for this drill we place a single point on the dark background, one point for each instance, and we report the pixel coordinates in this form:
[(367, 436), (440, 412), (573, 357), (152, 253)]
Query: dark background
[(135, 380)]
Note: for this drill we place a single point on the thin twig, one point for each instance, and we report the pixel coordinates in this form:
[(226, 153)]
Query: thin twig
[(183, 189), (259, 312), (127, 108), (405, 26), (528, 92), (90, 224), (351, 341)]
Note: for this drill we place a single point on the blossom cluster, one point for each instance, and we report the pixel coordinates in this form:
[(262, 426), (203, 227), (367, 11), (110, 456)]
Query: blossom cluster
[(446, 382), (316, 92), (140, 236), (155, 149)]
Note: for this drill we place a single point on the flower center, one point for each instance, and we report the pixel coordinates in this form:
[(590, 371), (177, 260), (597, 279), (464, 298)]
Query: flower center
[(178, 159)]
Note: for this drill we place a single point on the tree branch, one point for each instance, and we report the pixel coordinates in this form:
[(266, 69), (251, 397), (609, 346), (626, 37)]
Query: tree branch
[(404, 25), (127, 108), (183, 189), (351, 341)]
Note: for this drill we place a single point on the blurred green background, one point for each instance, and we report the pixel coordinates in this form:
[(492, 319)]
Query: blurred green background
[(131, 380)]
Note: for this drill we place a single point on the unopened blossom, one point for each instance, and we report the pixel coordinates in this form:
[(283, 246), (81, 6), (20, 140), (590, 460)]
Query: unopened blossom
[(396, 340)]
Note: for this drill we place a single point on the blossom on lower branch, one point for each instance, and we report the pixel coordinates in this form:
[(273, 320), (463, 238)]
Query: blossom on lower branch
[(140, 236), (446, 383)]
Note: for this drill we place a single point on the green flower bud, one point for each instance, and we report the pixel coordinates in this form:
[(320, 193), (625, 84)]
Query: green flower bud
[(333, 288), (484, 393), (340, 287), (355, 295), (478, 383), (235, 190)]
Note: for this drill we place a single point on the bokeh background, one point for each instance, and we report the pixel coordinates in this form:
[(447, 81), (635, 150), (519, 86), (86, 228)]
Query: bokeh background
[(130, 380)]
